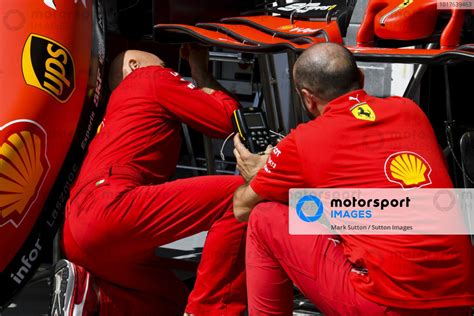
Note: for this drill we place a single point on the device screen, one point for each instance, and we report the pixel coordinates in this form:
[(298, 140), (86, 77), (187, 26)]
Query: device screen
[(254, 120)]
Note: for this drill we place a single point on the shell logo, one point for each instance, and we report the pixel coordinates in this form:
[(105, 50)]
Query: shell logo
[(23, 168), (408, 169)]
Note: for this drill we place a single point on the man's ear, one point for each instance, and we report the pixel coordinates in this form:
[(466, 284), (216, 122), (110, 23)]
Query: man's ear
[(133, 64), (309, 100)]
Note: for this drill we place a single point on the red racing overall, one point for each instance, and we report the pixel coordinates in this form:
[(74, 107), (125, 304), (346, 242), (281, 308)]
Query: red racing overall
[(352, 145), (122, 207)]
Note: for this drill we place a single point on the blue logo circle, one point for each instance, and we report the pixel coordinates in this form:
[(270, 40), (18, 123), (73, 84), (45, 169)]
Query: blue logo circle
[(316, 201)]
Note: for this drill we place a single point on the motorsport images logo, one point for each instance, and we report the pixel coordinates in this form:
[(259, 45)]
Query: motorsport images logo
[(309, 204), (380, 211), (23, 169), (48, 66), (344, 208)]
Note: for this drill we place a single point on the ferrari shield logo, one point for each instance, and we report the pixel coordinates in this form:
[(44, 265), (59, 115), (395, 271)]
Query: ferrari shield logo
[(363, 111)]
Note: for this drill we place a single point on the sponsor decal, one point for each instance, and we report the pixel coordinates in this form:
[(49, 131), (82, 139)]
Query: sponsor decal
[(294, 29), (288, 27), (405, 4), (48, 66), (303, 30), (101, 127), (401, 6), (52, 5), (23, 168), (27, 262), (306, 7), (190, 85), (270, 165), (363, 111), (408, 169)]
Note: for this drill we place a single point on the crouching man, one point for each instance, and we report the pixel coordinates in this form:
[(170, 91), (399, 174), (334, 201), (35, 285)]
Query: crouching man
[(346, 148), (122, 205)]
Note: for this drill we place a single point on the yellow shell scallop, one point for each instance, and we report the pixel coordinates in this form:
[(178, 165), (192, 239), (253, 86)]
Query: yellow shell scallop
[(21, 170), (409, 169)]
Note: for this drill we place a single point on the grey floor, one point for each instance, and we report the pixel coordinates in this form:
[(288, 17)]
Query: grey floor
[(32, 301), (34, 298)]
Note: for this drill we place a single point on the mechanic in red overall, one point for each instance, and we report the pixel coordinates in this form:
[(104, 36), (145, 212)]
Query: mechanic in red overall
[(122, 207), (350, 144)]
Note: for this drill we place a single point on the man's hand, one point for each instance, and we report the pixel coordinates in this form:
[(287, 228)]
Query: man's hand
[(247, 163), (198, 58)]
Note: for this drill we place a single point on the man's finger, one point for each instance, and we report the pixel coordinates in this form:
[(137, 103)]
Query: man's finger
[(269, 149), (237, 139), (238, 144), (243, 151), (237, 155)]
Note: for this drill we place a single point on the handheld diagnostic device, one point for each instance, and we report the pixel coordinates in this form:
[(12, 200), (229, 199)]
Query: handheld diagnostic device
[(251, 124)]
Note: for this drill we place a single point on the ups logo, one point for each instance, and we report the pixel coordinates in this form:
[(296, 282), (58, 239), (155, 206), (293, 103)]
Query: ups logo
[(47, 65)]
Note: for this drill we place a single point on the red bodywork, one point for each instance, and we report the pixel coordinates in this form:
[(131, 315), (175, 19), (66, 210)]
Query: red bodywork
[(49, 93), (408, 20), (255, 33), (23, 101), (283, 28)]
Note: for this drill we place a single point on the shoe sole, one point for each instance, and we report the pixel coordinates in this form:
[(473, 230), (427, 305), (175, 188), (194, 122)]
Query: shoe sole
[(62, 291)]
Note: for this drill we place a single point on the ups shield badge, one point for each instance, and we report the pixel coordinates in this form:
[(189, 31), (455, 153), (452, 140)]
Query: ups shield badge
[(48, 66)]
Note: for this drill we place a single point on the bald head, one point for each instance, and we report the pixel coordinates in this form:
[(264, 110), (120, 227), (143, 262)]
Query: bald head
[(128, 61), (328, 71)]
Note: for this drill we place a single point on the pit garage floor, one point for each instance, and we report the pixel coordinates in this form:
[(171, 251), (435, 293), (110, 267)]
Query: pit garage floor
[(32, 301), (34, 298)]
